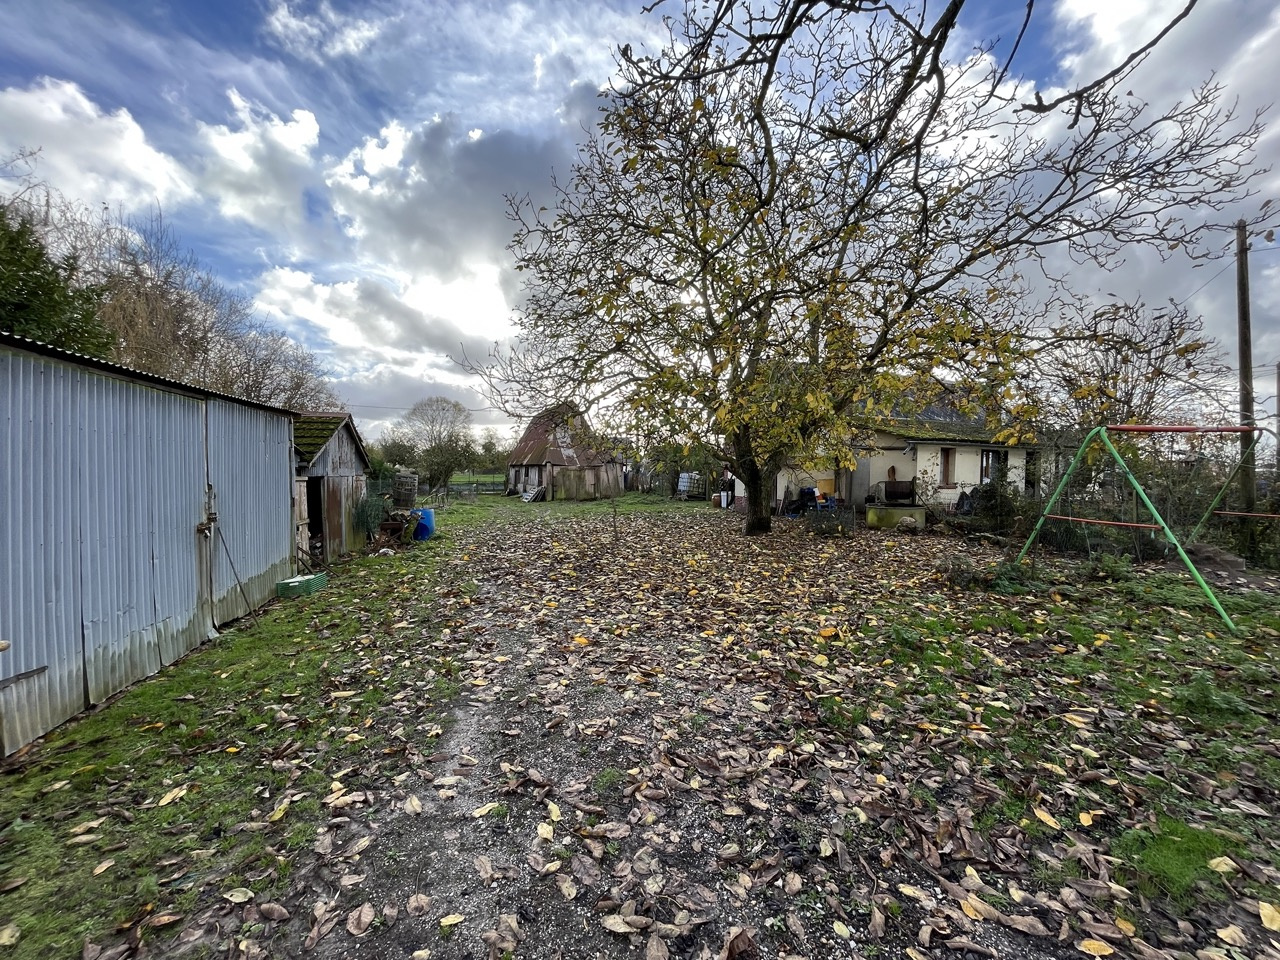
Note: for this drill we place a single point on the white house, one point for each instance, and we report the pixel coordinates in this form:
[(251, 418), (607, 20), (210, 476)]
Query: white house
[(944, 458)]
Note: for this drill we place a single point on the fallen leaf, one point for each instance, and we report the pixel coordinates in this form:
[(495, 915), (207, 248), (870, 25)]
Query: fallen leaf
[(484, 811), (1095, 948), (1233, 935), (238, 895), (104, 866), (842, 931), (359, 919), (1028, 925), (656, 948), (175, 794), (553, 812), (9, 934), (1044, 816), (546, 831), (1223, 865), (1269, 915), (615, 924), (452, 920), (162, 919), (1125, 927), (412, 805), (273, 911), (419, 905)]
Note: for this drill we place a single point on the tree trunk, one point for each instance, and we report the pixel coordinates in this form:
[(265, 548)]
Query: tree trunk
[(759, 482)]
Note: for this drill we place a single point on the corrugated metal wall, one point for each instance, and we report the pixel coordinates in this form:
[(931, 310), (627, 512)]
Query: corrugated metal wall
[(105, 572), (251, 471), (42, 680)]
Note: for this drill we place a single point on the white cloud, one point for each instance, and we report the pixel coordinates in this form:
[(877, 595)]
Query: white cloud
[(324, 34), (87, 153), (260, 169)]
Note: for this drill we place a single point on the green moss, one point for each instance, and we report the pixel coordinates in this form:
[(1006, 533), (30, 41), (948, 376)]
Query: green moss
[(1171, 859)]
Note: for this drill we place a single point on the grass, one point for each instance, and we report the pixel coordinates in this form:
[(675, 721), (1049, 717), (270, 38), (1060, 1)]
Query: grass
[(1170, 860), (159, 783)]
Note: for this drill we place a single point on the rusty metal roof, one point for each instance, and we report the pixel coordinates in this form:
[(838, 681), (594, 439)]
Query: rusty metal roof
[(557, 436)]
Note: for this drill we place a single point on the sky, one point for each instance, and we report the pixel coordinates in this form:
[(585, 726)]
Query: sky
[(346, 163)]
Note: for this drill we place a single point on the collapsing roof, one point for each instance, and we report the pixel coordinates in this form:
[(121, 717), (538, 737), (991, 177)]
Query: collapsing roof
[(556, 436)]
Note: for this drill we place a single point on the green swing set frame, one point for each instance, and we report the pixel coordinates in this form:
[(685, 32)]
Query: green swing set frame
[(1102, 434)]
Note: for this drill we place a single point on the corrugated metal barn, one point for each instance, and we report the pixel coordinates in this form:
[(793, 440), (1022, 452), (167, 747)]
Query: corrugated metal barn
[(136, 515)]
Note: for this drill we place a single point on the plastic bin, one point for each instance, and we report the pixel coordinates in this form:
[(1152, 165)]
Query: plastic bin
[(426, 526)]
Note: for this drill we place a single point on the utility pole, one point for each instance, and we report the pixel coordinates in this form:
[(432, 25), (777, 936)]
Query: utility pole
[(1248, 484)]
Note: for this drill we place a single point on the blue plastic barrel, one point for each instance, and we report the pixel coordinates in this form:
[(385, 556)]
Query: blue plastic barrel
[(426, 527)]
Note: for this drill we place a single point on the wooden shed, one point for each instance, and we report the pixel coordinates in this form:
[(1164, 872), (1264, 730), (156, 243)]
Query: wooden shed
[(329, 483), (554, 454)]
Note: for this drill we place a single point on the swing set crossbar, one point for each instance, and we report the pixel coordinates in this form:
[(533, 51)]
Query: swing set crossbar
[(1102, 523), (1102, 435), (1176, 428)]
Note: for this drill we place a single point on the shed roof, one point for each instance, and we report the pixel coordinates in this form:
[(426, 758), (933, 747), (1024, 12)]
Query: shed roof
[(312, 431), (544, 441)]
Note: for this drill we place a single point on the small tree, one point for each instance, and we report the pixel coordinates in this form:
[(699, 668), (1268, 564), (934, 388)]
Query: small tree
[(437, 433)]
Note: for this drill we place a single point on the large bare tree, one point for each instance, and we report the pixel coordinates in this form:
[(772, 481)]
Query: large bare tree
[(803, 216)]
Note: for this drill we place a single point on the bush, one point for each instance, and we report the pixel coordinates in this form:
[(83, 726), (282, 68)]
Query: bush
[(370, 511)]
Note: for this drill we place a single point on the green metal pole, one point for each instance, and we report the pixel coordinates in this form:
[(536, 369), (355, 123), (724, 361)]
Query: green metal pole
[(1169, 534), (1062, 485)]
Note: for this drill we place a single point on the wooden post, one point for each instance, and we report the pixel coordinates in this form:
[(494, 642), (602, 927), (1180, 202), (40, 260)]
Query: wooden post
[(1248, 484)]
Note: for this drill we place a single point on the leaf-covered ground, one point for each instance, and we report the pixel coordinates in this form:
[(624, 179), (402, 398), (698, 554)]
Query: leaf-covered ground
[(580, 732)]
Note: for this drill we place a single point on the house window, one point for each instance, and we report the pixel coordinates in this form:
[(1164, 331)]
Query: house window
[(995, 465), (948, 467)]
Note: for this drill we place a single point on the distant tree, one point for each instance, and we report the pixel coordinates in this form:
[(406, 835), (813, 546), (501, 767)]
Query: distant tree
[(43, 297), (1127, 363), (491, 457), (437, 433), (397, 447)]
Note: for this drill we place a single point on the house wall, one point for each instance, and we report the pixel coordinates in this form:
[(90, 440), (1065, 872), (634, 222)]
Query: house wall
[(919, 461), (106, 571), (522, 479), (341, 535), (340, 457), (967, 470)]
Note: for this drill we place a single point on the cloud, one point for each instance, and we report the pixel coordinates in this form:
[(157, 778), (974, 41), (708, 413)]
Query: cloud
[(322, 35), (432, 200), (261, 169), (367, 319), (87, 153)]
